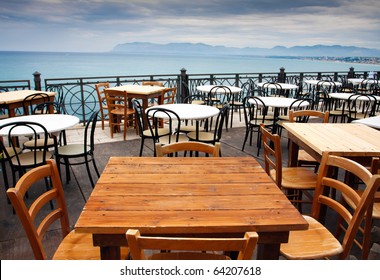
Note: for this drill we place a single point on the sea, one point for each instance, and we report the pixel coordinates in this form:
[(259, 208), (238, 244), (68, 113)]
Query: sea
[(22, 65)]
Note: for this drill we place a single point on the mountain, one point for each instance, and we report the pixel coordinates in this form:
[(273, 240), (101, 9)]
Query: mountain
[(204, 49)]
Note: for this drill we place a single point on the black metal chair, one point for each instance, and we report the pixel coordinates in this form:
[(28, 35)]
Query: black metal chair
[(144, 133), (255, 114), (84, 150), (21, 161), (31, 101), (214, 136), (162, 118)]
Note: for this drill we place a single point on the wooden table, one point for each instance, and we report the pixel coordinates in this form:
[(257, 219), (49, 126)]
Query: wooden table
[(352, 140), (145, 93), (12, 100), (187, 196)]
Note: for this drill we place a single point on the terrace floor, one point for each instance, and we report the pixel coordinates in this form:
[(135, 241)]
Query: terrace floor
[(13, 242)]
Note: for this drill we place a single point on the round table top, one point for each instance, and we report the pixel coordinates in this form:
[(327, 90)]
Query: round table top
[(283, 85), (280, 102), (373, 122), (52, 123), (346, 96), (207, 88), (358, 81), (189, 111), (322, 83)]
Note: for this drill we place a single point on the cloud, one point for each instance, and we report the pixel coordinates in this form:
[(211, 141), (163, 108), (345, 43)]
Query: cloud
[(95, 25)]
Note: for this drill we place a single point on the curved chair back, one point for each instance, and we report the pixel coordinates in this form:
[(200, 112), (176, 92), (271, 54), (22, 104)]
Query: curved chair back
[(31, 100), (156, 117), (189, 146), (182, 248), (50, 106)]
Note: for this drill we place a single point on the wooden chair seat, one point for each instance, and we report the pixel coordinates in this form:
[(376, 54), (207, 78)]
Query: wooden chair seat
[(318, 241), (315, 243), (79, 246), (297, 178)]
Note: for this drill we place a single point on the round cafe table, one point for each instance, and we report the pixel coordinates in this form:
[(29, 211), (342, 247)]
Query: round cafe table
[(194, 112), (208, 88), (54, 123), (280, 103)]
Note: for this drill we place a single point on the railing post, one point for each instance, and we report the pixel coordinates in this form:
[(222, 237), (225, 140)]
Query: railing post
[(319, 76), (351, 73), (282, 75), (237, 80), (37, 80), (184, 84), (300, 86), (335, 76)]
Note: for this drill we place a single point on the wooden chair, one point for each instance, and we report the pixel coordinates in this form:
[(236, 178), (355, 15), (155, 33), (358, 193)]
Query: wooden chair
[(152, 83), (84, 151), (305, 159), (365, 242), (102, 101), (120, 114), (190, 146), (295, 181), (317, 241), (74, 245), (153, 101), (168, 95), (187, 248)]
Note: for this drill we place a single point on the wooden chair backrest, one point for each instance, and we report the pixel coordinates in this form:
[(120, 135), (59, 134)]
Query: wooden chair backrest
[(101, 95), (189, 146), (363, 204), (116, 100), (137, 244), (272, 153), (168, 95), (152, 83), (304, 115), (28, 216)]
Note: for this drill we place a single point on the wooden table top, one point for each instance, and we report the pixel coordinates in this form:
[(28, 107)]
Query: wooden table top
[(19, 95), (139, 89), (343, 139), (187, 196)]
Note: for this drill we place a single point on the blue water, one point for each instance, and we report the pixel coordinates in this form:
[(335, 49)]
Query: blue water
[(22, 65)]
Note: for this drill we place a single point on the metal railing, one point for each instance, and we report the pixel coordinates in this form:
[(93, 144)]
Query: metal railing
[(80, 98)]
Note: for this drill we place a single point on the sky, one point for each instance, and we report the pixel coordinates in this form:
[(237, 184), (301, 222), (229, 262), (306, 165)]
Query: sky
[(98, 26)]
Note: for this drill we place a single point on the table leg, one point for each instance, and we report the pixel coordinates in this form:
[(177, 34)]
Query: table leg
[(110, 253), (293, 154), (268, 251)]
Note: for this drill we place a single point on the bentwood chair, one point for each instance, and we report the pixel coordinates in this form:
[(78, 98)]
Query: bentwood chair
[(80, 153), (119, 112), (172, 123), (190, 248), (22, 161), (74, 245), (294, 181), (30, 102), (255, 114), (317, 241), (214, 136), (190, 146), (141, 120), (46, 108), (102, 101)]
